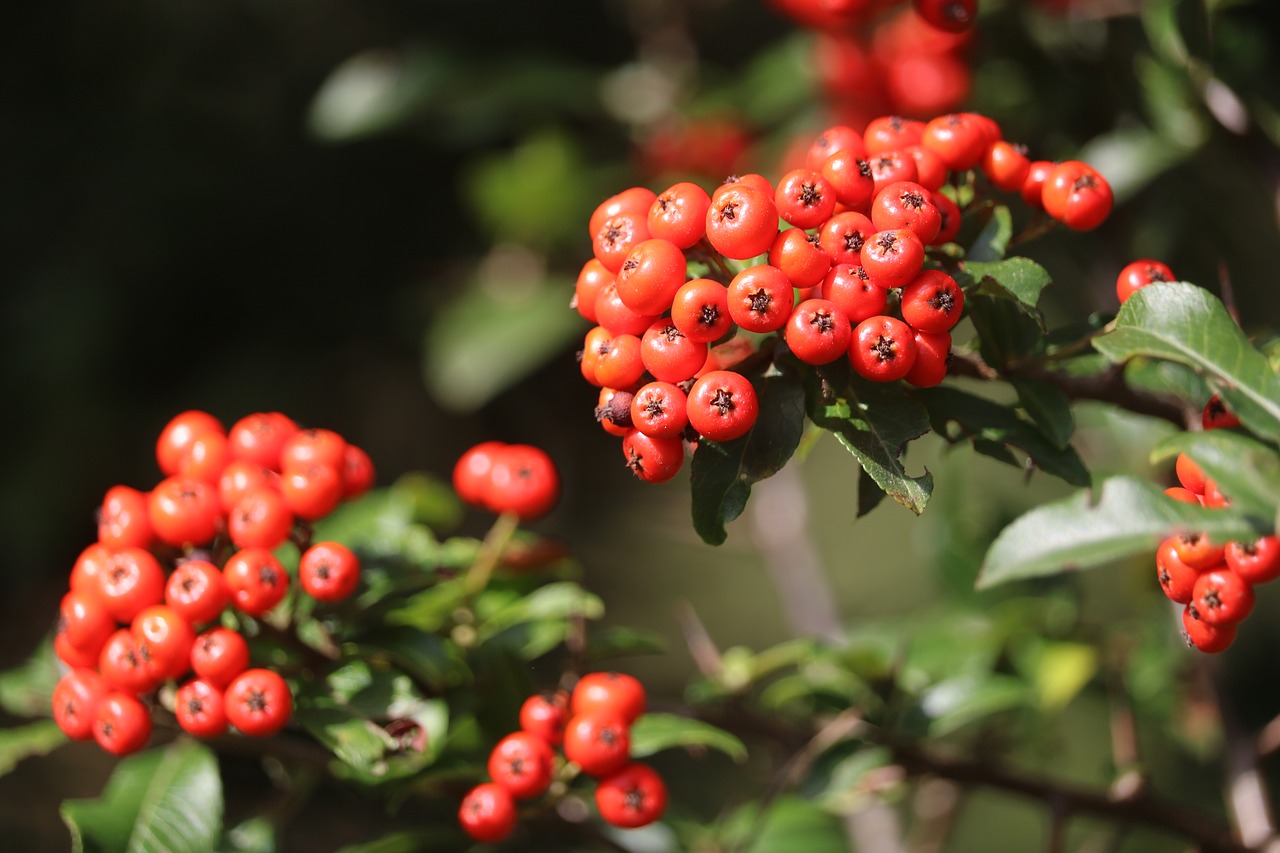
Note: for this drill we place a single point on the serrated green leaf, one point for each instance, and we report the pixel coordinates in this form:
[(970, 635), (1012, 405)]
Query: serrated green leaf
[(1186, 324), (1048, 407), (985, 421), (653, 733), (1129, 516), (874, 422), (870, 495), (993, 241), (161, 801), (722, 473), (1244, 469), (34, 739)]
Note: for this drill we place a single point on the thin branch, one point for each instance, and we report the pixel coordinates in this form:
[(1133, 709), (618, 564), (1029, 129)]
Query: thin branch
[(701, 647)]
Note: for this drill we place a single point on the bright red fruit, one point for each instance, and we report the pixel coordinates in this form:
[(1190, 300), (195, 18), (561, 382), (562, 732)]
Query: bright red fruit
[(635, 796), (609, 694), (258, 702)]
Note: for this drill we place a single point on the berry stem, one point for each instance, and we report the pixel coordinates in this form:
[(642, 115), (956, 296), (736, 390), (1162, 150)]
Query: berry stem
[(491, 549)]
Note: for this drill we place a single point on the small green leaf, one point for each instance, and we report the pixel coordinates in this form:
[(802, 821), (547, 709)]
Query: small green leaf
[(352, 738), (34, 739), (255, 835), (1244, 469), (1187, 324), (27, 690), (786, 825), (1129, 516), (1049, 407), (557, 602), (957, 702), (1061, 671), (655, 732), (431, 609), (1021, 280), (993, 241), (166, 799)]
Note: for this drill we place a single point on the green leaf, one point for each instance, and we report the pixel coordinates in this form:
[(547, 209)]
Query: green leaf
[(1187, 324), (982, 420), (411, 841), (353, 739), (1020, 280), (786, 825), (722, 473), (1244, 469), (27, 690), (1049, 407), (993, 241), (431, 609), (1129, 516), (656, 732), (874, 422), (870, 495), (555, 602), (960, 701), (426, 658), (160, 801), (255, 835), (1007, 333), (34, 739), (1060, 671)]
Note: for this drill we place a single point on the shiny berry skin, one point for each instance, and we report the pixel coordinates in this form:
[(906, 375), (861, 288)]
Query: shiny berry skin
[(1208, 638), (472, 472), (668, 355), (260, 519), (122, 724), (200, 708), (650, 275), (1033, 185), (893, 258), (883, 349), (957, 138), (630, 200), (741, 221), (1139, 274), (241, 477), (658, 410), (165, 640), (933, 351), (654, 460), (522, 763), (329, 571), (617, 236), (124, 520), (488, 813), (523, 481), (256, 579), (84, 621), (849, 286), (889, 167), (124, 666), (88, 565), (722, 405), (1257, 561), (600, 745), (892, 133), (357, 472), (205, 457), (835, 138), (1177, 579), (760, 298), (844, 235), (932, 302), (615, 316), (679, 214), (635, 796), (592, 278), (804, 198), (258, 702), (219, 655), (312, 447), (74, 657), (1006, 165), (931, 172), (130, 580), (700, 310), (1189, 474), (75, 702), (545, 715), (800, 257), (1222, 597), (949, 211), (1213, 496), (1217, 416), (613, 411), (1198, 551), (311, 490), (259, 438), (906, 204), (184, 511), (609, 694), (818, 331), (1076, 195), (178, 434), (197, 591), (621, 363), (850, 177)]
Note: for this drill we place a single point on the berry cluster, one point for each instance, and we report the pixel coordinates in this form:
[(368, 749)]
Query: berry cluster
[(147, 599), (1214, 581), (845, 277), (592, 727), (515, 478), (871, 58)]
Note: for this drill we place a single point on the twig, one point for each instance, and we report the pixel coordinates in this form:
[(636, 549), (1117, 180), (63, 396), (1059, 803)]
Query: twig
[(495, 542), (701, 647)]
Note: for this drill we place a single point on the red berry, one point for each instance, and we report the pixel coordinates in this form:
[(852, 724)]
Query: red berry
[(932, 302), (84, 621), (123, 723), (522, 763), (75, 702), (488, 812), (760, 298), (818, 331), (889, 167), (471, 473), (892, 133), (357, 472), (630, 200), (197, 591), (650, 275), (850, 176), (933, 356), (311, 490), (741, 221), (260, 519), (600, 745), (1177, 579), (893, 258), (124, 666), (1222, 597), (545, 715), (256, 579), (906, 204), (836, 138), (258, 702), (1257, 561), (200, 708), (959, 139), (804, 198), (635, 796), (668, 355), (615, 316), (610, 694), (1208, 638), (800, 256), (205, 457), (1006, 165), (621, 362), (165, 640), (1217, 416), (130, 580), (679, 214), (313, 447), (259, 438), (1076, 195), (1139, 274), (329, 571), (181, 430), (654, 460), (524, 481), (953, 16), (700, 310), (219, 655), (591, 280), (124, 520), (883, 349), (849, 286), (1189, 474), (722, 405), (659, 410), (184, 511), (241, 477), (844, 235), (1033, 186), (1198, 551)]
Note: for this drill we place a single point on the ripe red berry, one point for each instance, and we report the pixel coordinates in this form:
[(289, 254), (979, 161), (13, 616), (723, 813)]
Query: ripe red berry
[(84, 621), (893, 258), (545, 715), (722, 405), (610, 694), (679, 214), (1006, 165), (835, 138), (700, 310), (592, 278), (892, 133), (950, 213), (614, 315), (1076, 195), (621, 363), (88, 565), (760, 298), (357, 472), (843, 236), (800, 256), (1198, 551), (668, 354), (523, 481), (654, 460), (488, 812), (932, 302), (1208, 638), (258, 702), (122, 724), (1189, 474), (75, 702), (1177, 579), (906, 204), (219, 655), (130, 580), (313, 447), (630, 200), (635, 796), (123, 665), (933, 356), (329, 571), (1217, 416), (1222, 597), (165, 640), (311, 490), (1257, 561), (205, 457), (850, 176), (260, 519), (889, 167), (200, 708), (617, 236), (741, 221), (957, 138), (818, 331), (883, 349), (1033, 186), (241, 477), (522, 763), (931, 172), (804, 198), (256, 579), (259, 438), (658, 410), (471, 473), (849, 286), (178, 433), (650, 275), (184, 511), (1139, 274), (124, 520), (600, 745)]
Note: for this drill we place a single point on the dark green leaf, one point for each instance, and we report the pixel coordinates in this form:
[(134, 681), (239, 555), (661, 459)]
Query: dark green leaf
[(27, 690), (1244, 469), (1006, 332), (993, 240), (1020, 280), (352, 738), (161, 801), (431, 609), (983, 420), (1187, 324), (869, 494), (1129, 517), (721, 474), (426, 658), (874, 422), (656, 732), (1049, 407), (844, 788), (33, 739)]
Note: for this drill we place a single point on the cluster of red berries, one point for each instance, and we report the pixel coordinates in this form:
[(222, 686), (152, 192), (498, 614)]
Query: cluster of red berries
[(845, 277), (592, 728), (499, 477), (872, 57), (1214, 581), (147, 598)]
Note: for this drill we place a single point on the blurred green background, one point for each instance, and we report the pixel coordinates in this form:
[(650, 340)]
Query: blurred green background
[(369, 215)]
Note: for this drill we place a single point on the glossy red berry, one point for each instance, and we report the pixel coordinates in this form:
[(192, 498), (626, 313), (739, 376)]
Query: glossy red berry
[(200, 708), (635, 796), (524, 481), (654, 460), (617, 236), (258, 702), (650, 275), (1139, 274), (471, 473), (621, 362), (892, 133), (124, 666), (849, 286), (741, 221), (843, 236), (259, 438), (75, 702), (600, 745), (1222, 597), (1204, 636), (668, 354), (123, 723), (84, 621), (313, 447), (1076, 195), (700, 310), (311, 490), (850, 176), (893, 258), (1217, 416), (616, 317), (889, 167), (488, 813), (1257, 561), (658, 410), (256, 579), (1006, 165), (1033, 185), (933, 357), (130, 580), (958, 138), (358, 473), (722, 405), (1177, 579), (184, 511), (608, 694), (800, 256), (165, 640), (592, 278), (522, 763), (1189, 474), (260, 519), (241, 477), (219, 655), (760, 298), (545, 715), (883, 349), (1198, 551), (178, 434), (197, 591), (804, 198), (123, 520), (818, 331), (205, 457), (932, 302), (679, 214), (329, 571), (906, 204)]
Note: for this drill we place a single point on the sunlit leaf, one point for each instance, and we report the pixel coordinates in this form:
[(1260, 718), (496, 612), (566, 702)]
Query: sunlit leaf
[(655, 732)]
